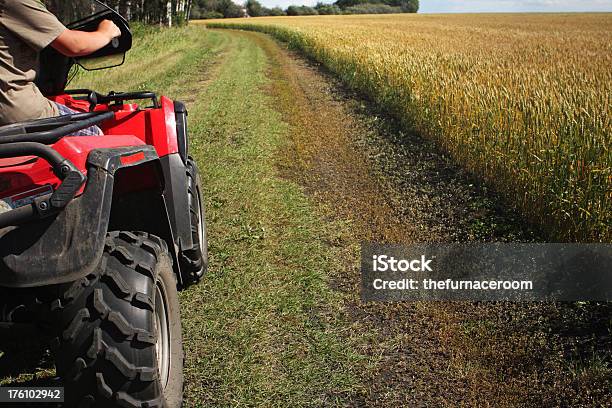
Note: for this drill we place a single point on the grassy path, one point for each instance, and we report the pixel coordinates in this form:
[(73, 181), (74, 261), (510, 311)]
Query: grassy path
[(259, 329)]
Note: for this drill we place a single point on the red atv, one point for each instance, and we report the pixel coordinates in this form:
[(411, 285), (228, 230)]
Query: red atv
[(97, 233)]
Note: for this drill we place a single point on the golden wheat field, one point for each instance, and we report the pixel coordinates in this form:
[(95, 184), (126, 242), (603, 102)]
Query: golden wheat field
[(521, 100)]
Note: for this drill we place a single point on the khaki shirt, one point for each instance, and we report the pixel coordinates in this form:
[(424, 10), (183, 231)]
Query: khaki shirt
[(26, 27)]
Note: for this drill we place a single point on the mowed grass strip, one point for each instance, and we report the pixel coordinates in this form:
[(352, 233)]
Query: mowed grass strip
[(523, 101), (262, 328)]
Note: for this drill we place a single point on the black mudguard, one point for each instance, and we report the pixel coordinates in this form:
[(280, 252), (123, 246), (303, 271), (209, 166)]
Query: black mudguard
[(68, 245), (176, 201), (180, 111)]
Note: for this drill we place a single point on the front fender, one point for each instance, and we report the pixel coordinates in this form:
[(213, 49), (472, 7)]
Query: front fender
[(68, 245)]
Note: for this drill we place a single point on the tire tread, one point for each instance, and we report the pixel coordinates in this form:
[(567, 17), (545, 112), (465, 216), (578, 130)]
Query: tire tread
[(87, 299)]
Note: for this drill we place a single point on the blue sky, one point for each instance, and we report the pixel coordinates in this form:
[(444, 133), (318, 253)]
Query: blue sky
[(477, 6)]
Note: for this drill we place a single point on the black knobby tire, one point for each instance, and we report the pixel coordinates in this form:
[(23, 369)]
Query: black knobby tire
[(195, 260), (106, 350)]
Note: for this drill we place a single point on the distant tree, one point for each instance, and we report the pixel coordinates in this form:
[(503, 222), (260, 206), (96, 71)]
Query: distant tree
[(276, 11), (229, 9), (205, 9), (215, 9), (411, 6), (301, 11), (407, 6), (293, 11), (308, 11), (211, 14), (400, 6), (350, 3), (254, 8), (195, 11), (325, 9), (369, 8)]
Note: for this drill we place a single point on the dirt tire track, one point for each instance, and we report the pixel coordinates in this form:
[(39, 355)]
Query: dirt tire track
[(319, 154)]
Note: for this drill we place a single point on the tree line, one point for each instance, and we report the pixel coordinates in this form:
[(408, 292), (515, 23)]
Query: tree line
[(228, 9), (164, 12), (178, 12)]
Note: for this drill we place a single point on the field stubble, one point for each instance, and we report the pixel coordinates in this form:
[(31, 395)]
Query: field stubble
[(522, 101)]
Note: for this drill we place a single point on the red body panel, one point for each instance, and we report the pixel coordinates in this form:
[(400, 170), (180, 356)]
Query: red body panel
[(156, 127), (24, 173), (130, 127)]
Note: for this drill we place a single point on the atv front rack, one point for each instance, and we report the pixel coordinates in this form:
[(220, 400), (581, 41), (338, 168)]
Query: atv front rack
[(50, 130), (31, 139)]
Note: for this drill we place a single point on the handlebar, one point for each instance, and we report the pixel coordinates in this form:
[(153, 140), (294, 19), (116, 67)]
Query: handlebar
[(95, 98)]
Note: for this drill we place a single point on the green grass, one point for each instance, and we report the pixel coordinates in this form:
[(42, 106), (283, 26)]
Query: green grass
[(263, 328)]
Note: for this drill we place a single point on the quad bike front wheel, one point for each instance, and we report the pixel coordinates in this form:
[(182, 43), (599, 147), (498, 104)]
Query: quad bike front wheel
[(120, 342)]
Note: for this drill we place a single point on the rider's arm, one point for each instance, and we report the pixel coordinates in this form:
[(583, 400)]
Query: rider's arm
[(73, 43)]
